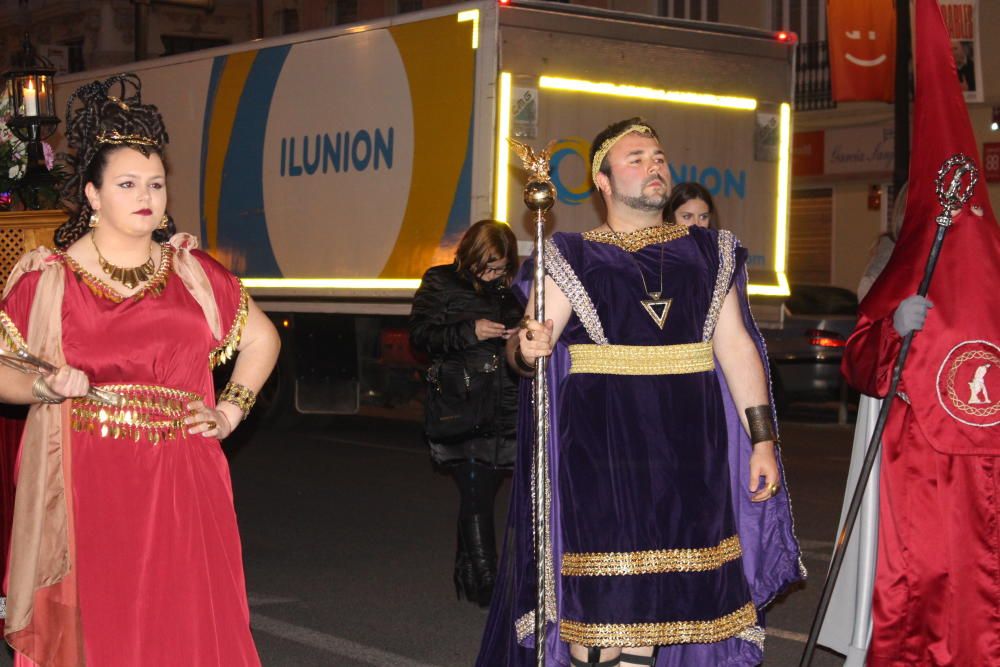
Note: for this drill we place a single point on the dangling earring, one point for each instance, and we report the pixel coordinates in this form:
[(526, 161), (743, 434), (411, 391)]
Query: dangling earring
[(164, 221), (95, 218)]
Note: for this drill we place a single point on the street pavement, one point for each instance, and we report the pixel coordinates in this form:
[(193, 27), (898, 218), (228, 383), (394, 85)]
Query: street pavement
[(348, 538)]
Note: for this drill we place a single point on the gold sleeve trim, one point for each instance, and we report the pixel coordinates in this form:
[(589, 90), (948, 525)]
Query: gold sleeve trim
[(659, 634), (642, 359), (225, 351), (12, 338), (651, 562)]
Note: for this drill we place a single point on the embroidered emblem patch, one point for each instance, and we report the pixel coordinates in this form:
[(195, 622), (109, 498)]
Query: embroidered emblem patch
[(968, 383)]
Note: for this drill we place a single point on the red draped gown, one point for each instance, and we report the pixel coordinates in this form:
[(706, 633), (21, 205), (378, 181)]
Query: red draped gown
[(159, 563)]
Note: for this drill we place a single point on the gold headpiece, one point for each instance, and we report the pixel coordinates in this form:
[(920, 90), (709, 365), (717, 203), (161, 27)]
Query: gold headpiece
[(595, 168), (118, 139)]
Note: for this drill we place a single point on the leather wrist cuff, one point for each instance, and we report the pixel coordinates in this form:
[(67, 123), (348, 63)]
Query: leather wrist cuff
[(760, 423)]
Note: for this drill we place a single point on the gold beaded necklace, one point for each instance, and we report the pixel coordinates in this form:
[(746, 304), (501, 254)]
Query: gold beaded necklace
[(130, 277)]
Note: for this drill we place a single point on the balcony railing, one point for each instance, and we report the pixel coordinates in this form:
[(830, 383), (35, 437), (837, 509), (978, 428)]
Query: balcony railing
[(812, 78)]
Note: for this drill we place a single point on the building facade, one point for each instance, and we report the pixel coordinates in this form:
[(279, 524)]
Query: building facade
[(843, 152)]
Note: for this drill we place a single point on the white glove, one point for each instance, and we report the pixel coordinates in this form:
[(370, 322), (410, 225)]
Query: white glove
[(911, 314)]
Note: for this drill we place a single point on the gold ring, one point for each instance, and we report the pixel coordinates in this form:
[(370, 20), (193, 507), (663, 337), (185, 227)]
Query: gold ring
[(774, 489), (529, 336), (210, 424)]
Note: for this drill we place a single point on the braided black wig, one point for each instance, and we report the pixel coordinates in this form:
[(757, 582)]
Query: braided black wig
[(106, 120)]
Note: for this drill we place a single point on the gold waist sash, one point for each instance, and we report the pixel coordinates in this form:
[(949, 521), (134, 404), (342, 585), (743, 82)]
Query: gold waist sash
[(150, 410), (642, 359)]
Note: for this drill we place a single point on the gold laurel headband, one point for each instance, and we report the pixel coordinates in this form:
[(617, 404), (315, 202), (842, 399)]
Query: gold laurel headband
[(595, 168), (117, 139)]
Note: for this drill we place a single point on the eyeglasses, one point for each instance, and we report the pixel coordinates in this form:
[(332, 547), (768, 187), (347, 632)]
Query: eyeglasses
[(494, 271)]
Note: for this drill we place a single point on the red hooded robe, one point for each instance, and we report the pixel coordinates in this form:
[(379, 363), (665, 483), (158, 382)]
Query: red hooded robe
[(938, 575)]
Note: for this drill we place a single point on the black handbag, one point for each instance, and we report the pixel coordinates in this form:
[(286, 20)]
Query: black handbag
[(461, 401)]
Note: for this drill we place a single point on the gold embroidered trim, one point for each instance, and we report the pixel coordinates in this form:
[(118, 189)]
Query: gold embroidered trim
[(225, 351), (154, 287), (640, 238), (149, 410), (727, 262), (651, 562), (12, 338), (642, 359), (658, 634)]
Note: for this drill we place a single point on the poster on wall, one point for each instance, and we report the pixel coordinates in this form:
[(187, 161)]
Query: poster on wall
[(962, 19)]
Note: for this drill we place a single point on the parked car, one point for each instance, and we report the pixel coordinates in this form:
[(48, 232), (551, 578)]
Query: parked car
[(805, 335)]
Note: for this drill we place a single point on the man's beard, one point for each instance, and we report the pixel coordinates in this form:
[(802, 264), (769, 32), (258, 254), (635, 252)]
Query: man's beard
[(643, 202)]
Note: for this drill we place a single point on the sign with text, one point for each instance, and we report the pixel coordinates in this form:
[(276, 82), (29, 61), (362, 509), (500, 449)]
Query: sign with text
[(864, 149), (962, 19)]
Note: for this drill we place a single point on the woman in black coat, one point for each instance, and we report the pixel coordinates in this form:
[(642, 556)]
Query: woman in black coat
[(462, 315)]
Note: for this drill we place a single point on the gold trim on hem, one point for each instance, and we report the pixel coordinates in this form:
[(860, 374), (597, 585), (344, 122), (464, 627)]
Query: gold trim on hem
[(642, 359), (640, 238), (227, 348), (651, 562), (659, 634)]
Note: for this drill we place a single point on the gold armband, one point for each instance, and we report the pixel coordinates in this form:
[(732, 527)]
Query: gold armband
[(760, 423), (240, 396)]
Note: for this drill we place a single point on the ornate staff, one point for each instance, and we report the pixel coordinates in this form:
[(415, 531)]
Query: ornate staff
[(963, 178), (539, 196), (24, 361)]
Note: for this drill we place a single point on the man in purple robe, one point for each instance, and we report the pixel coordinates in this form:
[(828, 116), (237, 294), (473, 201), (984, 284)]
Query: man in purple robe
[(669, 528)]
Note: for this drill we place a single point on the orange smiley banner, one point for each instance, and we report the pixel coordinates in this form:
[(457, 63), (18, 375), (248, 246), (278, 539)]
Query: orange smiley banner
[(862, 37)]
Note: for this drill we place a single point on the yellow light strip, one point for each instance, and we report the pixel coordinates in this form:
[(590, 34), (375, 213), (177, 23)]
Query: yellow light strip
[(331, 283), (503, 150), (781, 217), (471, 15), (703, 99)]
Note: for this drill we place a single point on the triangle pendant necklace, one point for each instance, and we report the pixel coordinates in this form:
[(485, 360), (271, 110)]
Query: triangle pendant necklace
[(655, 307)]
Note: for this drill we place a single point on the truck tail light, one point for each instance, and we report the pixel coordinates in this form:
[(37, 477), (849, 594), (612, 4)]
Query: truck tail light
[(824, 338)]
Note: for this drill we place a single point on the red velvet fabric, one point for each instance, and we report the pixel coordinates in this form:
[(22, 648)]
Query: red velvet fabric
[(11, 427), (937, 580), (159, 564)]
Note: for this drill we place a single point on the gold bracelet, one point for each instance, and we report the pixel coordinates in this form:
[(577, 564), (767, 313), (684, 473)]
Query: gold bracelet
[(240, 396), (41, 390), (760, 423)]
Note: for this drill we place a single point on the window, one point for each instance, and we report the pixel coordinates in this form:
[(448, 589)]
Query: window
[(74, 55), (695, 10), (403, 6), (173, 44), (289, 21), (346, 11)]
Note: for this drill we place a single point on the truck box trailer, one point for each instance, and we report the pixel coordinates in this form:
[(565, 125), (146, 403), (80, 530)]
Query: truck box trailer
[(330, 169)]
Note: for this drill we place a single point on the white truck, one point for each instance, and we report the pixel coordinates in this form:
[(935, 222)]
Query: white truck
[(330, 169)]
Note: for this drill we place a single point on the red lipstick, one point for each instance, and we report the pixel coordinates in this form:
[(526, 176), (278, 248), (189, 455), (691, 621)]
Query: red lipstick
[(143, 211)]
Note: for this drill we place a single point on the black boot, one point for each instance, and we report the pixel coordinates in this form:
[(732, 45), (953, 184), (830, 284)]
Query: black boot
[(465, 576), (481, 549)]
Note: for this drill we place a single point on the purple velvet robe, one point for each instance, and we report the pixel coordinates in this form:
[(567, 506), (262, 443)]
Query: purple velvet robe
[(695, 407)]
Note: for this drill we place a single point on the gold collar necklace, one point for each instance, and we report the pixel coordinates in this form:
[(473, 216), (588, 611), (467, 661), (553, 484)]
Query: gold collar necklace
[(130, 277)]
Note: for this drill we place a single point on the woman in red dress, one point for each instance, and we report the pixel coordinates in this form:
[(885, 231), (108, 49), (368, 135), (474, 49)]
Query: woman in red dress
[(125, 544)]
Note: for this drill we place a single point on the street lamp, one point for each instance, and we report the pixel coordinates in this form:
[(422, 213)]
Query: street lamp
[(32, 99)]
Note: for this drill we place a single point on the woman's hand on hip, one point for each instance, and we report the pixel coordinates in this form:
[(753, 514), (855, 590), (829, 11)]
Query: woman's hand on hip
[(209, 422)]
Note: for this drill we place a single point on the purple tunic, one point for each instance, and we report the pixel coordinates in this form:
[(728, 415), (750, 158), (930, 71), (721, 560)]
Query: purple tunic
[(644, 471)]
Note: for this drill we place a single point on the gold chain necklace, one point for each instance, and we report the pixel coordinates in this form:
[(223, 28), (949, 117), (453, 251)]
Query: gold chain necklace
[(130, 277), (655, 307)]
